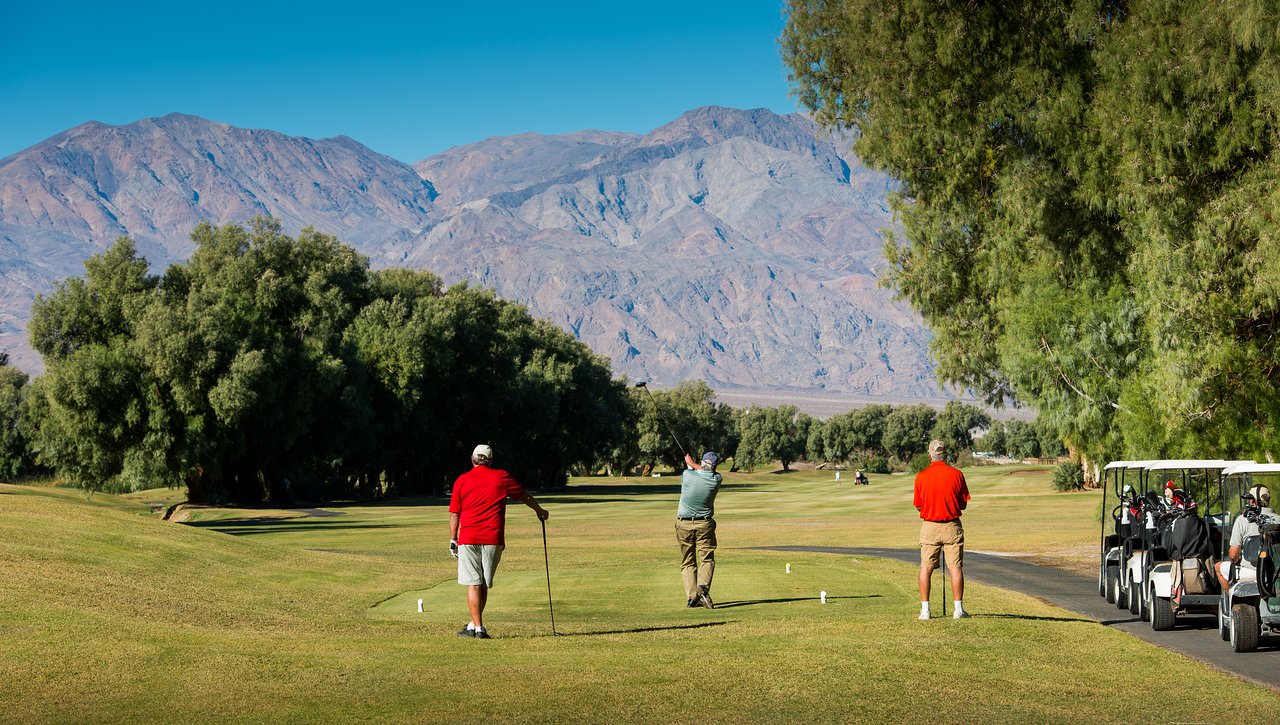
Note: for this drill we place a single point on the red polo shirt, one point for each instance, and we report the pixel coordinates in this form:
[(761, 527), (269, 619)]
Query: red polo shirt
[(480, 500), (941, 492)]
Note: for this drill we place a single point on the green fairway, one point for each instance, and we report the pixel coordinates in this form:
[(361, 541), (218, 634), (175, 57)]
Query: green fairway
[(109, 614)]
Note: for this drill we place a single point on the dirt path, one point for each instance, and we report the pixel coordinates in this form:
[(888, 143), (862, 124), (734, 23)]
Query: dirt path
[(1195, 636)]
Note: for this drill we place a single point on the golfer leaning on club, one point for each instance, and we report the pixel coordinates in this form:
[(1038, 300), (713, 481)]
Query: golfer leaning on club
[(477, 519), (696, 528), (941, 493)]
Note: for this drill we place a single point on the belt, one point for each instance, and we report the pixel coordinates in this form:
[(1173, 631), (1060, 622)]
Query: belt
[(693, 518), (948, 521)]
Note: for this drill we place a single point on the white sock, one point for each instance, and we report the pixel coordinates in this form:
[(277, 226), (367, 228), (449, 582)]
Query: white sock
[(924, 609), (959, 607), (471, 625)]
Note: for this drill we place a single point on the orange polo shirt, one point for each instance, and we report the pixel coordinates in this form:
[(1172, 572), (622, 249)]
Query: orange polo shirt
[(941, 492)]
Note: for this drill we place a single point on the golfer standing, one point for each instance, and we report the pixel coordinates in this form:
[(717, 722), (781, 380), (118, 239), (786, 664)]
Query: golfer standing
[(696, 528), (477, 519), (941, 494)]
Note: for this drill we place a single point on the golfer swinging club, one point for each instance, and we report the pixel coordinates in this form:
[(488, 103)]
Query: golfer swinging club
[(477, 518), (940, 495), (696, 528)]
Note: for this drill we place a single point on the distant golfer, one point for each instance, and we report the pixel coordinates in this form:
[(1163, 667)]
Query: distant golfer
[(696, 528), (940, 495), (477, 518)]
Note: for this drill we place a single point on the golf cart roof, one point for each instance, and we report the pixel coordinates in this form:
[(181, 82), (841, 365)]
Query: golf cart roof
[(1251, 467), (1179, 465), (1117, 464)]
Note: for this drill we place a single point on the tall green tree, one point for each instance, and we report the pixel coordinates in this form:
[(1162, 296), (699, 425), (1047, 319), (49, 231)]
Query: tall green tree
[(907, 429), (1087, 198), (956, 423), (768, 434)]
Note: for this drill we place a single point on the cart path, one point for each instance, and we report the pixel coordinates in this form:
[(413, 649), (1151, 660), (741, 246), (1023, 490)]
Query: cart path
[(1195, 636)]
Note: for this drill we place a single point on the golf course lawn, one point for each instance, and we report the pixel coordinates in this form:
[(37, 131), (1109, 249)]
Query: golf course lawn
[(109, 614)]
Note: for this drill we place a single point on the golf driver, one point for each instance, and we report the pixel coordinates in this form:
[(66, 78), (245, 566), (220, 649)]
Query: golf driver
[(547, 558), (657, 411)]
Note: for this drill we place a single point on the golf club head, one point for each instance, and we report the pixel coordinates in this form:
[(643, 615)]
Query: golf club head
[(642, 384)]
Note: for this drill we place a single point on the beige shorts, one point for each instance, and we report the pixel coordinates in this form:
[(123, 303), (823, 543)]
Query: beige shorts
[(946, 538), (477, 563)]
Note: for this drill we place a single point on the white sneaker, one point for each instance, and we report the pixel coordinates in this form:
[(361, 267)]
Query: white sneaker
[(924, 617), (961, 614)]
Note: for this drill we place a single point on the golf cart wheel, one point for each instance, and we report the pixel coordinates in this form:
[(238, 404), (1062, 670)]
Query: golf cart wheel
[(1113, 584), (1224, 624), (1102, 580), (1144, 604), (1245, 627), (1162, 616), (1135, 597)]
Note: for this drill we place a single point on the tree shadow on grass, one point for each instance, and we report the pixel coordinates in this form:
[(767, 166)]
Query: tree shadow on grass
[(753, 602), (637, 630), (1031, 618), (242, 527)]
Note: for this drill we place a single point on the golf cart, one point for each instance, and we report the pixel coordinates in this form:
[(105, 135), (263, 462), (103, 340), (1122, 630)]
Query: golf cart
[(1251, 606), (1131, 523), (1190, 524), (1120, 477)]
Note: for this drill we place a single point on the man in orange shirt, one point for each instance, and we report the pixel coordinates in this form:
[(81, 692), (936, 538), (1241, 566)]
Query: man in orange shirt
[(941, 494)]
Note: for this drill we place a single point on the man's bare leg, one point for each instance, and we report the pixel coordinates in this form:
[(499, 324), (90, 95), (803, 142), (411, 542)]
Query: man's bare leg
[(477, 597)]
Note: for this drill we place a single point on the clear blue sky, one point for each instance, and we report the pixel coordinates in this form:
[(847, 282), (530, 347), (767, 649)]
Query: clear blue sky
[(407, 79)]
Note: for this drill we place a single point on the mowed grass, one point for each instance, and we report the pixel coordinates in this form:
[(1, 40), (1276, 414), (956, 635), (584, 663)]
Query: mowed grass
[(108, 614)]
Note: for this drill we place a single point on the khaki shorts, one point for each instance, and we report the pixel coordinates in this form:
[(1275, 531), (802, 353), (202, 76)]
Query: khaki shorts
[(477, 563), (947, 538)]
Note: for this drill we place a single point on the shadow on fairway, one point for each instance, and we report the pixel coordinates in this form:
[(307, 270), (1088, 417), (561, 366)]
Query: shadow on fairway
[(243, 527), (638, 630), (1029, 618), (753, 602)]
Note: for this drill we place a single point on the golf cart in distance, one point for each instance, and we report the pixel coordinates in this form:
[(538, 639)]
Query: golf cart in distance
[(1118, 527), (1190, 524), (1251, 607)]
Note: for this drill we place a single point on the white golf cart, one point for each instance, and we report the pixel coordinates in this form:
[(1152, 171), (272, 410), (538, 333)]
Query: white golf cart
[(1122, 478), (1135, 528), (1251, 607), (1190, 523)]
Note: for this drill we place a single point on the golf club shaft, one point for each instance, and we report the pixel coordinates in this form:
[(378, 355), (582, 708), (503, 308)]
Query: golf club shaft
[(944, 586), (547, 559), (658, 412)]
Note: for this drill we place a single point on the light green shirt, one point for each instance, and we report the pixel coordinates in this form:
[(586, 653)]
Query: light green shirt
[(698, 493)]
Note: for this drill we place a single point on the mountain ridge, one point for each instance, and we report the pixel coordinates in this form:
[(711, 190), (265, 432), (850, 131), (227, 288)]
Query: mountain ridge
[(741, 247)]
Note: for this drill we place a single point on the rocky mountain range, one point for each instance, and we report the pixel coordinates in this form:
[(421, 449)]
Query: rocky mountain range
[(740, 247)]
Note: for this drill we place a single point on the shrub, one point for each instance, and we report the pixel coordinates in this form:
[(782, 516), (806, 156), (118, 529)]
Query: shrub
[(1068, 476), (876, 464), (919, 462)]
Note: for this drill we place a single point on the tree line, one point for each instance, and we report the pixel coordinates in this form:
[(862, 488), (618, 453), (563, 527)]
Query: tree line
[(275, 368), (1088, 200)]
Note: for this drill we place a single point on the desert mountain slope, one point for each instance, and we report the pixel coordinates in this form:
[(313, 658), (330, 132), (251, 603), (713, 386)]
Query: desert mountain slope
[(737, 246)]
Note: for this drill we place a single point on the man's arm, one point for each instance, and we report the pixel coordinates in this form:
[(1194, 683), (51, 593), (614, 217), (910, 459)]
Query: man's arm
[(528, 500), (688, 462), (1233, 553)]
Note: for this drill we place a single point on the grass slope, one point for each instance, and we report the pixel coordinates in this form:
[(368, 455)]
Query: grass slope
[(108, 614)]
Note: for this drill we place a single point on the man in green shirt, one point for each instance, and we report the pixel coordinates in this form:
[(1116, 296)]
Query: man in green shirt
[(696, 528)]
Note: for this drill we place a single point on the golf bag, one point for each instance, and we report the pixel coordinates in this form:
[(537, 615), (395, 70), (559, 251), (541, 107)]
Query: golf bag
[(1191, 550)]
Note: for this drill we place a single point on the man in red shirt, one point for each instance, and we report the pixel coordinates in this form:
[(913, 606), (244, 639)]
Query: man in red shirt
[(941, 494), (477, 518)]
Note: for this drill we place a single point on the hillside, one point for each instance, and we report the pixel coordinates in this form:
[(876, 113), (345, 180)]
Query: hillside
[(738, 247)]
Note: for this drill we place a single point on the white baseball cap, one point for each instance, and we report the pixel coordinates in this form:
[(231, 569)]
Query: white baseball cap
[(483, 450)]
